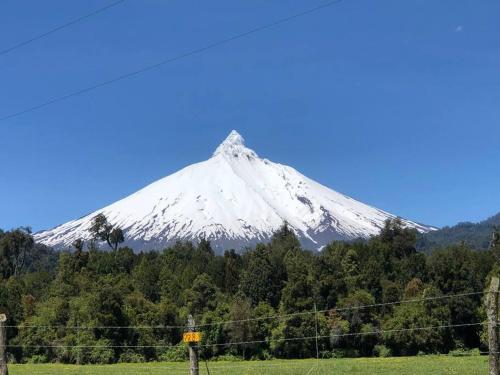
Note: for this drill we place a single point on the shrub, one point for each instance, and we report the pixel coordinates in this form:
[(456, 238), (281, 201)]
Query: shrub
[(345, 353), (102, 353), (264, 355), (175, 354), (381, 351), (37, 358), (461, 352), (131, 357), (326, 354), (228, 358)]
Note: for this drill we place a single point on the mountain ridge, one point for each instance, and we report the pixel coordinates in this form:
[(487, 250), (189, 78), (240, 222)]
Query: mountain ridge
[(477, 235)]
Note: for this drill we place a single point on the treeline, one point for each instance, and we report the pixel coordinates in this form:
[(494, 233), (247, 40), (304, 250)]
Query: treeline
[(66, 311)]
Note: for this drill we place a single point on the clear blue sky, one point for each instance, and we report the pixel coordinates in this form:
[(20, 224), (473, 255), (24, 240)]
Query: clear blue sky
[(395, 103)]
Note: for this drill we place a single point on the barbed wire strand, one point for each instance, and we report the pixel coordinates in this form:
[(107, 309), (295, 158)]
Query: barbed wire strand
[(285, 339), (269, 317), (352, 334)]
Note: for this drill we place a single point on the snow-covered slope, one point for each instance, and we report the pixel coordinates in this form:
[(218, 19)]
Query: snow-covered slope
[(234, 199)]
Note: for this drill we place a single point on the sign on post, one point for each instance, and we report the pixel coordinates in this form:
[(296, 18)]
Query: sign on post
[(190, 337)]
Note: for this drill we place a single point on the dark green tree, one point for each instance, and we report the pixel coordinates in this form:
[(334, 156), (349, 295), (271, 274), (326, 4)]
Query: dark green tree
[(260, 281), (146, 276), (101, 229), (115, 238), (456, 270), (297, 297), (232, 268), (202, 296), (16, 247), (401, 240), (405, 335)]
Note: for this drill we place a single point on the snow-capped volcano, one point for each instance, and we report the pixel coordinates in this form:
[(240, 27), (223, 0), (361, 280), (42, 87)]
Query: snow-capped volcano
[(234, 199)]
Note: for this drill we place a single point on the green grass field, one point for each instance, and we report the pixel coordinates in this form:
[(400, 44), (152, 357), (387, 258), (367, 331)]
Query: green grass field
[(424, 365)]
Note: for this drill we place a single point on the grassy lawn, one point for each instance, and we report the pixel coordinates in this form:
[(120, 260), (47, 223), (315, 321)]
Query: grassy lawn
[(425, 365)]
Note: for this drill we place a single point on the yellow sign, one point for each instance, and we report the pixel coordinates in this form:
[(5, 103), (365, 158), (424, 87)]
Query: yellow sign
[(191, 337)]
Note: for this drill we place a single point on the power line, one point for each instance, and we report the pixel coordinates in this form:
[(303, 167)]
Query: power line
[(58, 28), (172, 59), (269, 317)]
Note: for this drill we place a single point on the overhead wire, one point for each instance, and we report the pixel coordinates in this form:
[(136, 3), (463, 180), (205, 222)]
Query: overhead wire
[(189, 53), (60, 27)]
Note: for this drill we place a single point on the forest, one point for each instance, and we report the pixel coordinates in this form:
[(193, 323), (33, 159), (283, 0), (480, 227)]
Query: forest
[(361, 298)]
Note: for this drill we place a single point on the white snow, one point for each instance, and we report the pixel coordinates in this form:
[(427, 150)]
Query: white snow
[(234, 199)]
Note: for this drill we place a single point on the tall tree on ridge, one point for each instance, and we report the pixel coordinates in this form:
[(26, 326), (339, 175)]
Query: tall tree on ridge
[(102, 230)]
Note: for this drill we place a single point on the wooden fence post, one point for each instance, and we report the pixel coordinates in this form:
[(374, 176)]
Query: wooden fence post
[(193, 350), (3, 342), (492, 312)]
